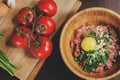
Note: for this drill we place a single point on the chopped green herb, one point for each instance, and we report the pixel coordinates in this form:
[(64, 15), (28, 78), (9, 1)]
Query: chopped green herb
[(75, 59), (111, 36), (116, 55), (99, 56), (108, 43), (1, 36), (81, 57)]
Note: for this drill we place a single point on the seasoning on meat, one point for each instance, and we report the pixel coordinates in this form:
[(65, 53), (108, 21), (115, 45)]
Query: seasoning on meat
[(106, 49)]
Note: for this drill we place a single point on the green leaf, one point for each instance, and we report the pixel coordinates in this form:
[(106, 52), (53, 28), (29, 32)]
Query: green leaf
[(116, 55), (108, 43), (1, 36), (41, 27), (107, 52), (111, 36), (85, 35), (86, 68), (92, 34), (81, 56), (75, 59), (104, 58)]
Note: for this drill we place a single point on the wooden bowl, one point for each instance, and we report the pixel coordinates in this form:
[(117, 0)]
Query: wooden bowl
[(95, 16)]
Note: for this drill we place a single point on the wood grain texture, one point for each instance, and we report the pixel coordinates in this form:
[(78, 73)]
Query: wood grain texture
[(94, 16), (62, 18), (57, 70), (28, 65)]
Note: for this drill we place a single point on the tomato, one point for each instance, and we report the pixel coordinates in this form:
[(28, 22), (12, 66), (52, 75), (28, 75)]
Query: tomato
[(26, 16), (45, 25), (19, 38), (42, 48), (48, 7)]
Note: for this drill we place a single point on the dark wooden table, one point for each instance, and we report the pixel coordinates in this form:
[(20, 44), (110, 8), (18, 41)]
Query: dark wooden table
[(54, 68)]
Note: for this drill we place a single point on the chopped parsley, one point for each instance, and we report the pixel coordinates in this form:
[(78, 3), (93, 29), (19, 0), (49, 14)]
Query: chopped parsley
[(98, 56)]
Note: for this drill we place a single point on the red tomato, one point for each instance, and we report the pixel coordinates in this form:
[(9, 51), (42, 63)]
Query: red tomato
[(45, 25), (26, 16), (43, 48), (19, 38), (48, 7)]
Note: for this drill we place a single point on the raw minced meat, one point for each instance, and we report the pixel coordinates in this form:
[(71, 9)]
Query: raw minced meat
[(105, 53)]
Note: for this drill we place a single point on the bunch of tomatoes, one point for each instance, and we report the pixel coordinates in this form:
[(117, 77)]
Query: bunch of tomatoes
[(35, 27)]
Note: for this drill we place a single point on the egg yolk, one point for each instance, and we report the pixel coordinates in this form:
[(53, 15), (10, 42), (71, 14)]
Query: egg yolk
[(88, 44)]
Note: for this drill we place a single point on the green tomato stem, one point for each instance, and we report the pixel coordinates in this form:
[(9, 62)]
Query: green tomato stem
[(33, 28)]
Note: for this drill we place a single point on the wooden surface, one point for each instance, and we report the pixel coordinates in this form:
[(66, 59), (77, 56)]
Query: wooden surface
[(63, 14), (87, 17), (28, 65), (54, 67)]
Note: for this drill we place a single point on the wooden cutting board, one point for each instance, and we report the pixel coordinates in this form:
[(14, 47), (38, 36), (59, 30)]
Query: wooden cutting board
[(28, 65)]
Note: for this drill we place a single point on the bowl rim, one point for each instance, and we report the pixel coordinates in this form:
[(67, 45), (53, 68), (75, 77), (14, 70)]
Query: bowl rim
[(61, 41)]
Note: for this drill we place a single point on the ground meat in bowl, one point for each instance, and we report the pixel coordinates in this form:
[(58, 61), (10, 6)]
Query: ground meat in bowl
[(95, 48)]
